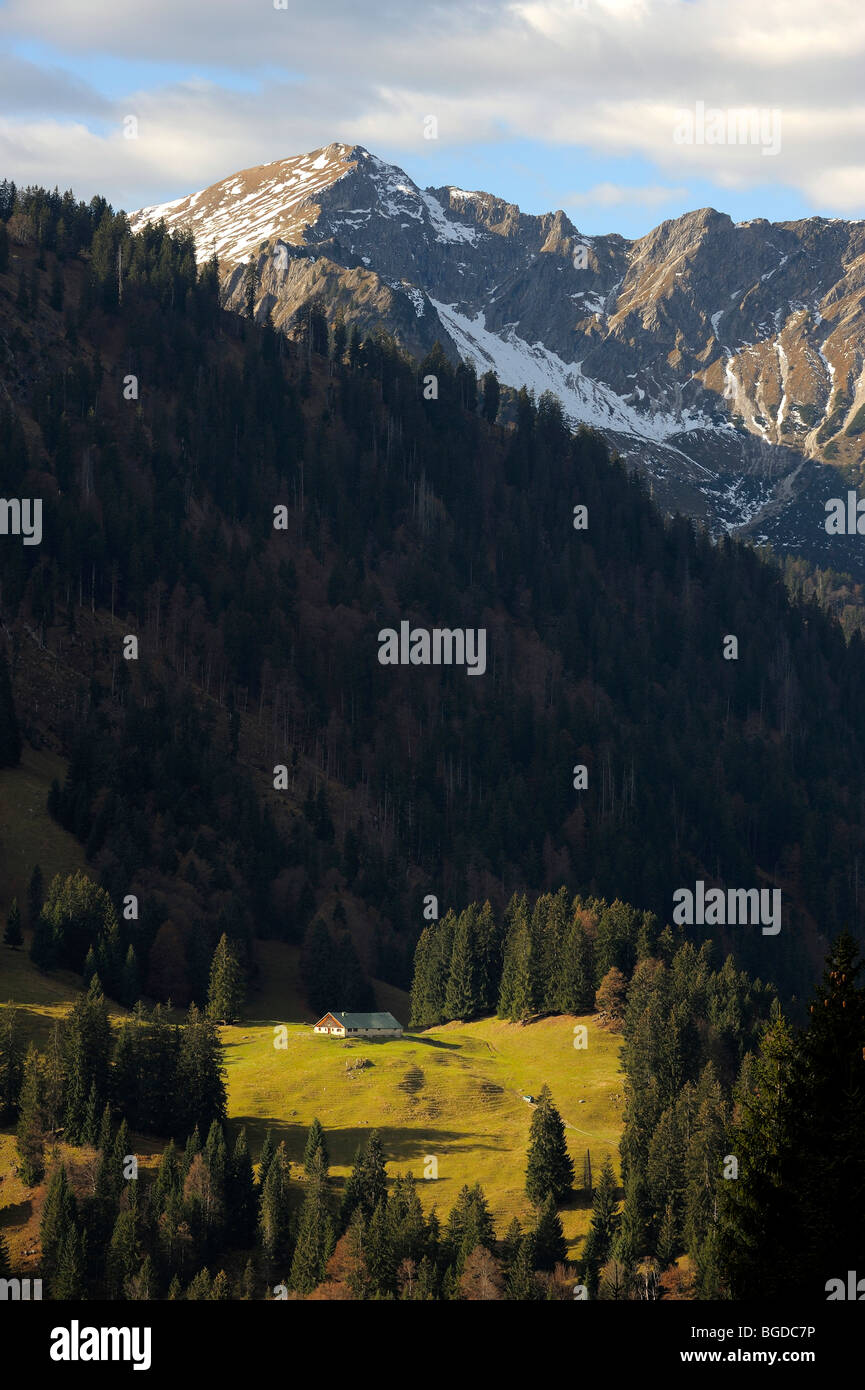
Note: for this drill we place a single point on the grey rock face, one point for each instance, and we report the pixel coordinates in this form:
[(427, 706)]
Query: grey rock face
[(725, 360)]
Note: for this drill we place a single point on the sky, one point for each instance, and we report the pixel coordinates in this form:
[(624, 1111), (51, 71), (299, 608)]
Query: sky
[(621, 112)]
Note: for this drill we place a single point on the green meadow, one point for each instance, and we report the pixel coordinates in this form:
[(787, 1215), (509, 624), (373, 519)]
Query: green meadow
[(448, 1102)]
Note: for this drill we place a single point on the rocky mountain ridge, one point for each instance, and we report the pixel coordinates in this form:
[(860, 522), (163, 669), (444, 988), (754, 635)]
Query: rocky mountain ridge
[(725, 359)]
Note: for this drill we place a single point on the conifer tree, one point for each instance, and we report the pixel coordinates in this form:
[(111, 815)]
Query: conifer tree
[(90, 1128), (468, 1226), (549, 1168), (59, 1214), (124, 1253), (13, 936), (667, 1246), (462, 994), (373, 1174), (758, 1216), (273, 1221), (550, 1247), (265, 1158), (604, 1225), (142, 1286), (379, 1253), (489, 949), (11, 1063), (315, 1143), (432, 971), (30, 1135), (119, 1152), (191, 1148), (419, 1014), (167, 1176), (576, 980), (520, 994), (54, 1080), (367, 1181), (248, 1283), (221, 1289), (225, 992), (200, 1072), (75, 1115), (315, 1232), (491, 395), (521, 1286), (200, 1288), (69, 1279), (106, 1130), (511, 1243), (241, 1193)]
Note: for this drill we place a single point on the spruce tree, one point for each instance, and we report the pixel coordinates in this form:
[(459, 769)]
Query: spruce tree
[(11, 1063), (265, 1158), (603, 1228), (521, 988), (167, 1176), (142, 1286), (59, 1214), (521, 1286), (315, 1143), (225, 992), (273, 1221), (576, 980), (200, 1071), (13, 936), (379, 1253), (462, 994), (511, 1243), (68, 1282), (550, 1247), (667, 1246), (373, 1174), (249, 1283), (366, 1183), (315, 1233), (124, 1256), (549, 1168), (30, 1135), (469, 1225), (241, 1193)]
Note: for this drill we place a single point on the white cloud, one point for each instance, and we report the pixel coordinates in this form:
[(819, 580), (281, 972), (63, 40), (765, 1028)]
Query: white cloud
[(609, 195), (609, 76)]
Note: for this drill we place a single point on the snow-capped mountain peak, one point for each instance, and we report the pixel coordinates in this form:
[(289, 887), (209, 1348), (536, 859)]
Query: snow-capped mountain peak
[(727, 360)]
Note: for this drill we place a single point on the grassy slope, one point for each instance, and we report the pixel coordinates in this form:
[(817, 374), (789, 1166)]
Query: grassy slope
[(453, 1093)]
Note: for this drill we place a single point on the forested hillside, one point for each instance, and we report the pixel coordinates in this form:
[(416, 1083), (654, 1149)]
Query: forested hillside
[(165, 434)]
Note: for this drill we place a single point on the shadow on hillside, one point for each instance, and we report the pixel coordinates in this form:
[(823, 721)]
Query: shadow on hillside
[(16, 1214), (400, 1145), (434, 1042)]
